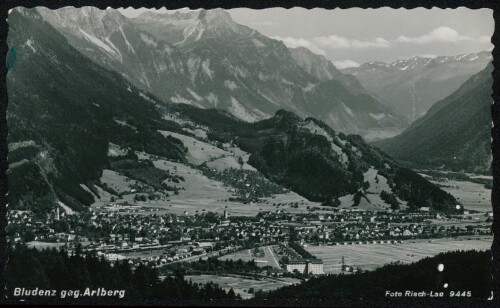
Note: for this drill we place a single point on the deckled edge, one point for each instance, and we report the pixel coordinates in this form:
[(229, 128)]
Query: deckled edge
[(6, 5)]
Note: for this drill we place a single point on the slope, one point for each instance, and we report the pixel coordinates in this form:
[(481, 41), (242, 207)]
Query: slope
[(205, 59), (310, 158), (412, 86), (455, 132), (63, 112)]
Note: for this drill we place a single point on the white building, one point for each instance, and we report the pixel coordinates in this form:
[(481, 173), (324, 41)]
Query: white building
[(314, 266)]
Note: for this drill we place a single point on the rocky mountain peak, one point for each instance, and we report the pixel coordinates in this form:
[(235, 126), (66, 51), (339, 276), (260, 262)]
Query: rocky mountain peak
[(216, 16)]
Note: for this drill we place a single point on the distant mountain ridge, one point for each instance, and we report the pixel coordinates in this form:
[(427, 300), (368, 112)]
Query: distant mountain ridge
[(323, 69), (65, 112), (412, 86), (205, 59), (454, 134)]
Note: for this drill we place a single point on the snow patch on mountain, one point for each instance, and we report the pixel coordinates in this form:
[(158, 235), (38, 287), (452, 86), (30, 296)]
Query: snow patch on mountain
[(239, 111), (29, 43), (110, 44), (269, 99), (146, 97), (258, 43), (205, 66), (287, 82), (193, 66), (148, 40), (308, 87), (101, 45), (129, 46), (231, 85), (377, 116), (180, 100), (194, 94), (212, 98), (347, 109), (124, 123)]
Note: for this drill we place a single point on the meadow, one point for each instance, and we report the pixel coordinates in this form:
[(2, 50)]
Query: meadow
[(241, 285), (269, 258), (371, 256)]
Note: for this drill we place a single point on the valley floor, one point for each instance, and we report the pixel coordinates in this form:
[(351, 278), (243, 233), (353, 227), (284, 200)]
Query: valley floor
[(372, 256)]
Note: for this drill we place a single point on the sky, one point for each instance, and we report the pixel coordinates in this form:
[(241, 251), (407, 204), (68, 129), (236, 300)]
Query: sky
[(349, 37)]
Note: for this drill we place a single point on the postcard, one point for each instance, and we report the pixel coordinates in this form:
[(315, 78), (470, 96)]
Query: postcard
[(237, 156)]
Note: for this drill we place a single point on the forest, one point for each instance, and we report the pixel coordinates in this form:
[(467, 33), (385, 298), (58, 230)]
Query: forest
[(56, 270)]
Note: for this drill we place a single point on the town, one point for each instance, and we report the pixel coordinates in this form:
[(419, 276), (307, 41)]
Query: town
[(142, 235)]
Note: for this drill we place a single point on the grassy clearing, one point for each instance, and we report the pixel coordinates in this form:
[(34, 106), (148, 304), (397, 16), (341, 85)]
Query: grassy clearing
[(44, 245), (473, 196), (117, 181), (241, 285), (246, 255), (200, 152)]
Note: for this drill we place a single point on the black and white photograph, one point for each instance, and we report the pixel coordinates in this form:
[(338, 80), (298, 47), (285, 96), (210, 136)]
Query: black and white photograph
[(243, 155)]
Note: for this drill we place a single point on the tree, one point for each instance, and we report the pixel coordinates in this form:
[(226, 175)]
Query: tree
[(231, 294)]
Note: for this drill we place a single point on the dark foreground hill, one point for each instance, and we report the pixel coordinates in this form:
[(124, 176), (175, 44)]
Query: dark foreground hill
[(463, 271), (29, 268), (455, 132)]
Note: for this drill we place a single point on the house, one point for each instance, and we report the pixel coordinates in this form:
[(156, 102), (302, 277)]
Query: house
[(407, 233)]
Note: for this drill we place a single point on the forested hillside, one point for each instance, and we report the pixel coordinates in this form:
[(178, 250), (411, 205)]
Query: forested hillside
[(455, 132)]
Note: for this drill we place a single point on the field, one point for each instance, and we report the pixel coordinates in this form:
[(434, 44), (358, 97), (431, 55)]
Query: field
[(116, 181), (246, 255), (371, 256), (241, 285), (200, 152), (199, 193), (473, 196), (44, 245)]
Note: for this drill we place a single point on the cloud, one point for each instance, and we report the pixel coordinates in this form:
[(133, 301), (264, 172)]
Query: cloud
[(263, 23), (300, 42), (427, 55), (336, 41), (345, 64), (484, 39), (441, 35)]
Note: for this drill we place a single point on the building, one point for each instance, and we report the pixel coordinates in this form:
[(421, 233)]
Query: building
[(313, 266)]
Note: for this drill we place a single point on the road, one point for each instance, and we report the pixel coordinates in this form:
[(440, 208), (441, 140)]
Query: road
[(272, 260)]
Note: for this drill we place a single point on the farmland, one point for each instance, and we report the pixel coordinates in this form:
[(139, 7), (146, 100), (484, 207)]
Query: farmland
[(44, 245), (200, 193), (241, 285), (473, 196), (371, 256)]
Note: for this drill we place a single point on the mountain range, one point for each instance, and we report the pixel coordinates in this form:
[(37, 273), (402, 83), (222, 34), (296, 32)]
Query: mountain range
[(412, 86), (205, 59), (455, 132), (74, 124)]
